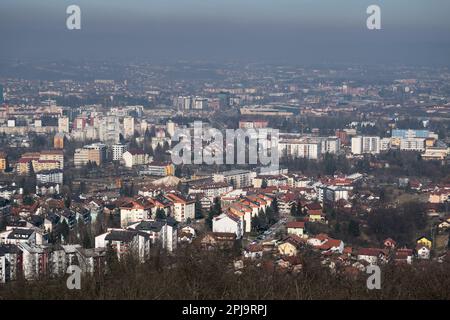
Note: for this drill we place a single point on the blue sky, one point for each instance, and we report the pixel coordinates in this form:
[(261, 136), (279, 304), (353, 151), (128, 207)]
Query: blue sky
[(414, 31)]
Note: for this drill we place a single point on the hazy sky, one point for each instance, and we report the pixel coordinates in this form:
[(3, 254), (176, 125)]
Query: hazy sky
[(299, 31)]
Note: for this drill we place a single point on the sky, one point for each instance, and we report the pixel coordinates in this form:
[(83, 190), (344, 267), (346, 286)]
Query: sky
[(294, 31)]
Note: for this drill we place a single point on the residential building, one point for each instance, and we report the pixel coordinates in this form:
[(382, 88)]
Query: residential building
[(94, 153), (50, 176), (125, 242), (183, 208), (365, 144), (236, 178), (118, 150), (135, 157), (228, 223)]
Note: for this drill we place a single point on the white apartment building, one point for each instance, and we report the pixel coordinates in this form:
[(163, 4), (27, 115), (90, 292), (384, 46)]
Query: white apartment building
[(183, 209), (331, 145), (228, 223), (300, 148), (128, 127), (412, 144), (50, 176), (118, 150), (365, 144), (236, 178), (135, 158), (124, 242)]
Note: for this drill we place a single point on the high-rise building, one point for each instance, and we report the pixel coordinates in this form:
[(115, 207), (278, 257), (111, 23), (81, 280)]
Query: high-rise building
[(170, 127), (91, 153), (118, 150), (200, 103), (362, 145), (128, 127), (224, 99), (3, 160), (63, 125), (58, 141)]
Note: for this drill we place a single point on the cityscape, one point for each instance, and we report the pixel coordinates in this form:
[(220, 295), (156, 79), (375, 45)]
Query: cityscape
[(225, 180)]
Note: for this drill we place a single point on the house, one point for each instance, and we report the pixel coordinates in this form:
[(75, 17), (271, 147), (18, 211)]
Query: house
[(423, 252), (189, 229), (217, 240), (290, 246), (296, 227), (314, 212), (326, 244), (403, 256), (228, 223), (254, 251), (185, 237), (444, 224), (373, 255), (425, 241), (389, 243)]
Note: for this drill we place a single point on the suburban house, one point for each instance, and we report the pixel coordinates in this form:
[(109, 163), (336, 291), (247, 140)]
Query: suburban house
[(389, 243), (425, 241), (373, 255), (423, 252), (296, 227), (403, 256), (254, 251), (314, 212), (326, 244), (217, 240), (290, 246)]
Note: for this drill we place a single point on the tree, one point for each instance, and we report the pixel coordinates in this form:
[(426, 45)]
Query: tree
[(329, 162), (87, 239), (111, 258), (272, 212), (215, 211), (64, 230), (448, 243), (161, 214), (264, 184), (28, 200), (198, 209), (353, 228), (294, 211)]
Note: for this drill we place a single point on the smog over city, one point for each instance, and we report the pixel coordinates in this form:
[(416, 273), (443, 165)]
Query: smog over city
[(224, 158)]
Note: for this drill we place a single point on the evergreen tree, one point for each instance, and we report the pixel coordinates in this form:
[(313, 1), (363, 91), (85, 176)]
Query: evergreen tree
[(161, 214), (64, 230), (215, 211), (264, 184), (198, 209), (353, 228)]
